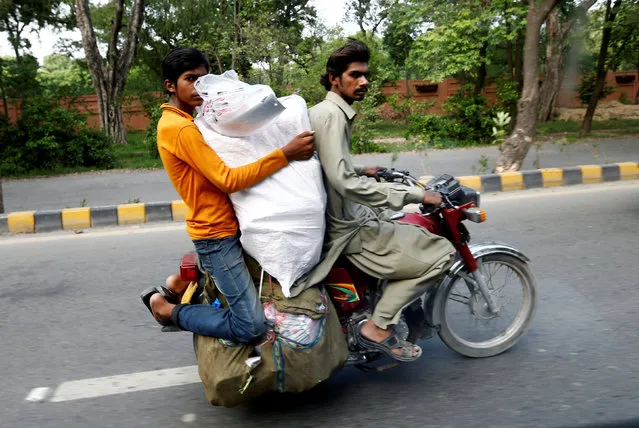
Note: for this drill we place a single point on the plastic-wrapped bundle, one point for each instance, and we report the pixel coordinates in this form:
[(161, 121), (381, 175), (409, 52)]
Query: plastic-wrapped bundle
[(234, 108), (281, 219), (301, 329)]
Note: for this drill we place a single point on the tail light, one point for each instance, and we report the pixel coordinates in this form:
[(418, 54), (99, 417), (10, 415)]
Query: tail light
[(188, 267), (475, 215)]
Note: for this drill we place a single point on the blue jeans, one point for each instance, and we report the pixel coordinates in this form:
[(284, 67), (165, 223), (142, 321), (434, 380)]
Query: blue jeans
[(244, 321)]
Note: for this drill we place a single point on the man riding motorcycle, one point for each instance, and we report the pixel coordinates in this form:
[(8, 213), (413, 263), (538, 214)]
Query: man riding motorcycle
[(408, 256)]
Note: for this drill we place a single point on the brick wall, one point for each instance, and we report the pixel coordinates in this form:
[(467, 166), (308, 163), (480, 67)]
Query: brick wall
[(625, 83), (136, 119)]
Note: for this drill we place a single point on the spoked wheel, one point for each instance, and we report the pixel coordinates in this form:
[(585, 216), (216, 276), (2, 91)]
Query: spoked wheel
[(469, 327)]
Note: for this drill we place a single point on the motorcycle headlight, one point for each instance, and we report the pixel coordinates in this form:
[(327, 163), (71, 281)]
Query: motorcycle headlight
[(469, 194)]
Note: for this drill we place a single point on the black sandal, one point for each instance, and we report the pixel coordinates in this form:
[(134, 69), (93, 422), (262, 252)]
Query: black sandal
[(170, 297), (388, 345)]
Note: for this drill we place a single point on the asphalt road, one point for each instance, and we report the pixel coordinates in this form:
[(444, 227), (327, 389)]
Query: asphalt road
[(119, 187), (71, 312)]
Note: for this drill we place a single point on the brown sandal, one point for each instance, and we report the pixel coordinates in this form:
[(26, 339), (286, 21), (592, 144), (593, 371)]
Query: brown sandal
[(388, 345)]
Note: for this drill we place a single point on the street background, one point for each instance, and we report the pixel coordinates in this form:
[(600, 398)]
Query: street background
[(119, 187)]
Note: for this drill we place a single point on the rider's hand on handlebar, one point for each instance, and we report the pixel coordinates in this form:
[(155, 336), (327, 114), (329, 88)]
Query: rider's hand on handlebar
[(301, 147), (371, 171), (433, 198)]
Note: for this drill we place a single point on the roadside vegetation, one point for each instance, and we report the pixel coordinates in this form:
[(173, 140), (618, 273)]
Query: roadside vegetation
[(285, 45)]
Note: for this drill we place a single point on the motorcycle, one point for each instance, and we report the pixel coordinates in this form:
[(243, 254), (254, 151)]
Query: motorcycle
[(468, 308)]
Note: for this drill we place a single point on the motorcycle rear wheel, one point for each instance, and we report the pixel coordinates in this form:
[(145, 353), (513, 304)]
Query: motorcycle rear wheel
[(462, 300)]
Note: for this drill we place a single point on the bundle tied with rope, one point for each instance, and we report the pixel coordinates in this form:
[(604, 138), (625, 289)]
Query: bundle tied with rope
[(304, 346)]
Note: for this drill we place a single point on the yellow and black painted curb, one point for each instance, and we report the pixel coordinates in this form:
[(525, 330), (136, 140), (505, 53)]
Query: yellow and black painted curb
[(87, 217), (550, 177), (113, 215)]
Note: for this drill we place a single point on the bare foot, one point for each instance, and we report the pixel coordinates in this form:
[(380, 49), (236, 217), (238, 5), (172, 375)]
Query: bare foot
[(176, 284), (160, 307), (377, 334)]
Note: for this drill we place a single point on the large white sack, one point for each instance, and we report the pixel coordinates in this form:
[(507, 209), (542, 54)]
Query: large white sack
[(281, 218)]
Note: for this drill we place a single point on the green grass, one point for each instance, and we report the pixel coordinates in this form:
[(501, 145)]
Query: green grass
[(567, 130), (388, 128), (136, 154)]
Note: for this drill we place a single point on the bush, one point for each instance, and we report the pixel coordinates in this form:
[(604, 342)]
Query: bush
[(49, 137), (405, 107), (468, 121), (367, 115), (586, 87), (151, 138)]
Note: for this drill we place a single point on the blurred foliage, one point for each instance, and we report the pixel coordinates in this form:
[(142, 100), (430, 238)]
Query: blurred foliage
[(586, 87)]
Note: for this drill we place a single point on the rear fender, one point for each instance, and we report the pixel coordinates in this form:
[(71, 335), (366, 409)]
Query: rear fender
[(434, 301)]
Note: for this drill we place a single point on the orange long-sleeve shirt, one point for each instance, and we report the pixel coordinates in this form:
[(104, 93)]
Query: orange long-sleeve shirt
[(202, 179)]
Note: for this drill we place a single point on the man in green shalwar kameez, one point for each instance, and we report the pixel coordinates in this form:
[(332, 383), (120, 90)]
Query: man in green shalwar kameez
[(408, 256)]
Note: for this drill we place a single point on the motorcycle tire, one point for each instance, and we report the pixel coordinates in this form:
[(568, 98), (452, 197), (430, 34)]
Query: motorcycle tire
[(477, 308)]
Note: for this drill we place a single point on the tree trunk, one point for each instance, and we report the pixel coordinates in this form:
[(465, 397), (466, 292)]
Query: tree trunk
[(611, 13), (555, 58), (236, 29), (112, 118), (515, 148), (519, 61), (515, 58), (1, 198), (109, 77), (553, 67), (481, 73)]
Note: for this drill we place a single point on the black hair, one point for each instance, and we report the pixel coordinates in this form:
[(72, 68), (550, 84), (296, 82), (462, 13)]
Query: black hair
[(180, 60), (338, 62)]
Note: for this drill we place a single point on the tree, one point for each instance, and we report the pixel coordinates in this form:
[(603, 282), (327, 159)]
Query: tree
[(515, 148), (233, 34), (368, 14), (17, 15), (109, 74), (602, 67), (278, 39), (62, 76), (557, 30), (462, 36), (626, 46), (399, 36)]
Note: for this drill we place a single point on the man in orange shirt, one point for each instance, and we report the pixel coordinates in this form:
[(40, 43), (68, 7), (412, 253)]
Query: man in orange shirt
[(203, 181)]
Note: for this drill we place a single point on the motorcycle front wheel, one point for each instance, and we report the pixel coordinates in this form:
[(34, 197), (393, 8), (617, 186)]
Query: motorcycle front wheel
[(469, 327)]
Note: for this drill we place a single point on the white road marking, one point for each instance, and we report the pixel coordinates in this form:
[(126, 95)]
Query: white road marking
[(189, 417), (38, 394), (121, 384)]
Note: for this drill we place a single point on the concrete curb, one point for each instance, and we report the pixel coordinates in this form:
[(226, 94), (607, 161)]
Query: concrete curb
[(89, 217), (113, 215), (550, 177)]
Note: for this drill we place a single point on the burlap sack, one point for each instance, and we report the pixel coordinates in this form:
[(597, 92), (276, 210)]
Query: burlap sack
[(286, 366)]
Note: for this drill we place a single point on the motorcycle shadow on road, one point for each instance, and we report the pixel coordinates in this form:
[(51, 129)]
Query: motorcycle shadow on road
[(349, 386)]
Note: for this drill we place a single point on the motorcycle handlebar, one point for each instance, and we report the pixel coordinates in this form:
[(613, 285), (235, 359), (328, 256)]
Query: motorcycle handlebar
[(403, 176)]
